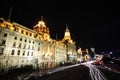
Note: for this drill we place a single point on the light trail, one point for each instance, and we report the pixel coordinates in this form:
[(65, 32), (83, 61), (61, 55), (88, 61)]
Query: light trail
[(95, 73), (47, 72)]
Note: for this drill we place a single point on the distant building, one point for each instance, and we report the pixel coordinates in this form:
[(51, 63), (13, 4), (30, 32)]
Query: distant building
[(20, 46), (82, 55), (70, 46)]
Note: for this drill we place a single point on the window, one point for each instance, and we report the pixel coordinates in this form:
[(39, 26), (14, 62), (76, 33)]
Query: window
[(3, 42), (1, 50), (15, 38), (29, 47), (27, 61), (22, 31), (24, 46), (32, 47), (29, 41), (32, 54), (20, 45), (28, 53), (20, 39), (5, 35), (14, 44), (38, 48), (30, 34), (17, 61), (12, 52), (25, 40), (18, 52), (22, 61), (23, 53), (26, 33)]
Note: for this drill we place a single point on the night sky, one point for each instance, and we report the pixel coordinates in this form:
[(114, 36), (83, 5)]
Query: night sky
[(91, 23)]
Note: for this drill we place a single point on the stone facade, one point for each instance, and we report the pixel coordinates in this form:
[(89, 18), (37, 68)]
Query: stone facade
[(20, 46)]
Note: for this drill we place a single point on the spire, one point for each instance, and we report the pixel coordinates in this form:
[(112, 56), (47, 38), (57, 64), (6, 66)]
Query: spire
[(41, 18), (67, 30), (67, 33), (67, 36)]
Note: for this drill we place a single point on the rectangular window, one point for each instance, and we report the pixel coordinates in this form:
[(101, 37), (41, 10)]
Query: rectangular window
[(23, 53), (29, 47), (32, 54), (1, 50), (32, 47), (5, 35), (14, 44), (29, 41), (24, 46), (3, 42), (18, 52), (20, 45), (28, 53), (38, 48), (26, 33), (12, 52)]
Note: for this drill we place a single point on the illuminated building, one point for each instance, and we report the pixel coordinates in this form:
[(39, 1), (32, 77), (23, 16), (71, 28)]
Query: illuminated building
[(82, 55), (20, 46), (70, 45)]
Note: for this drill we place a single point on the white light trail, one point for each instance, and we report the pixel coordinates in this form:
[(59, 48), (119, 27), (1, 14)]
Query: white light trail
[(95, 73), (42, 73)]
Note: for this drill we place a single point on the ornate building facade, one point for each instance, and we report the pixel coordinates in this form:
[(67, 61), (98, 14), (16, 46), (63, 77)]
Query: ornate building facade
[(20, 46)]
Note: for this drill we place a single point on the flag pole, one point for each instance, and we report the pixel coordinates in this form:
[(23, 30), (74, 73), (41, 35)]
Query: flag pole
[(9, 16)]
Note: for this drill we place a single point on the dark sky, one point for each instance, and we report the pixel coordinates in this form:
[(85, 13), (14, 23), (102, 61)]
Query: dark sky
[(91, 23)]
